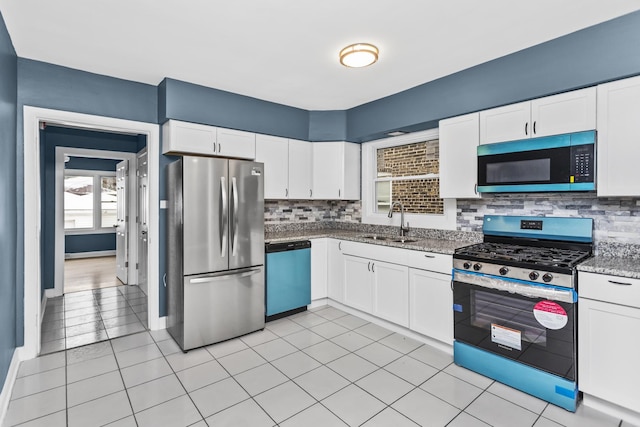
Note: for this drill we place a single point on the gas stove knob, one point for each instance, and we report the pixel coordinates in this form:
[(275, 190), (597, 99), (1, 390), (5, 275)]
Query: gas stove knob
[(467, 265), (504, 270), (547, 277), (534, 275), (477, 266)]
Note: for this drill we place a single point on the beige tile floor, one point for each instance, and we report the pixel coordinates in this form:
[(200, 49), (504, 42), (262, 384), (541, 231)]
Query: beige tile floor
[(318, 368)]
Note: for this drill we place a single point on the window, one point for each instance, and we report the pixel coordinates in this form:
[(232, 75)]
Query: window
[(90, 201), (405, 169)]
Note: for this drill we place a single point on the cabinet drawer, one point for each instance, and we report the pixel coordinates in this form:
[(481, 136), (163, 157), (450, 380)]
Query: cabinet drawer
[(614, 289), (440, 263)]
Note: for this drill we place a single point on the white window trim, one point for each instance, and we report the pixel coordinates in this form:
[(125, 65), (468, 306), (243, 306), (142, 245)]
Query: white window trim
[(445, 221), (97, 205)]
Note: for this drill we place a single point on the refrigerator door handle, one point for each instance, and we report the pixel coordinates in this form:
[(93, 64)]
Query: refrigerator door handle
[(224, 218), (225, 276), (234, 238)]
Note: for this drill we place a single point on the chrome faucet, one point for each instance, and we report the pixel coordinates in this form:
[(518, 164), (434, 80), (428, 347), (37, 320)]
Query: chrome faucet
[(403, 229)]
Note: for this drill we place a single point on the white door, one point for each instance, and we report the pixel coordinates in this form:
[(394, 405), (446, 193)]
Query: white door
[(391, 292), (300, 169), (274, 153), (459, 138), (508, 123), (358, 283), (122, 222), (143, 219)]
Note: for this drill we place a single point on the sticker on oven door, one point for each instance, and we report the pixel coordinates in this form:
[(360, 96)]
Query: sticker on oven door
[(550, 314), (506, 336)]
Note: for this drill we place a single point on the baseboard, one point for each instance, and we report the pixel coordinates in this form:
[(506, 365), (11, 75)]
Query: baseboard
[(94, 254), (10, 380), (612, 409), (51, 293)]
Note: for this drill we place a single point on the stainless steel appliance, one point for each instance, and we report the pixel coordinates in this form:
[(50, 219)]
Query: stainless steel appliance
[(515, 303), (553, 163), (288, 278), (215, 262)]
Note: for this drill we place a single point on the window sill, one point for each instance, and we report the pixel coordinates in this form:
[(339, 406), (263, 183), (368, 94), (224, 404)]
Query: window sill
[(89, 231)]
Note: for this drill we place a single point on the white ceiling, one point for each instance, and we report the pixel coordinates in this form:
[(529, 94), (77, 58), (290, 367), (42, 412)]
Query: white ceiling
[(286, 51)]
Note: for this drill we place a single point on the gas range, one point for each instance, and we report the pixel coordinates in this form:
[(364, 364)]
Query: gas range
[(525, 252)]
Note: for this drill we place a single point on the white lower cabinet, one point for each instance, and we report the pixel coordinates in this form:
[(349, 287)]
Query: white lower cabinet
[(431, 304), (391, 292), (319, 269), (608, 344), (358, 279), (335, 270)]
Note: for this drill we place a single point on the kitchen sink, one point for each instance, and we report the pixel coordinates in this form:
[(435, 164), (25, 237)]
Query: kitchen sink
[(401, 240), (375, 237)]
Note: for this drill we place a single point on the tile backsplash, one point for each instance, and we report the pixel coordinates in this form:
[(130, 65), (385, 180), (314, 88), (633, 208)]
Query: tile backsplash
[(311, 211)]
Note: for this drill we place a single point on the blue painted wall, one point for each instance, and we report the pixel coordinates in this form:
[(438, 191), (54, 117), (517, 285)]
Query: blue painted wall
[(327, 126), (50, 138), (604, 52), (8, 211), (79, 243), (51, 86)]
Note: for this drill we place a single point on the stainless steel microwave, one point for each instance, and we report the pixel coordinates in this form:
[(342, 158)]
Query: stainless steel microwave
[(554, 163)]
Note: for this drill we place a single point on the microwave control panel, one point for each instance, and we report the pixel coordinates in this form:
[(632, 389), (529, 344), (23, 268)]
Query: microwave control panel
[(582, 163)]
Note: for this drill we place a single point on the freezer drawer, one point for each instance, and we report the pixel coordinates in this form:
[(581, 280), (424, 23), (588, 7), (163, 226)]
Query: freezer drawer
[(221, 306)]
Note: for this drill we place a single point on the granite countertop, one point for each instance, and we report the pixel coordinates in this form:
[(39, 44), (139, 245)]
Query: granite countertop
[(441, 246), (615, 266)]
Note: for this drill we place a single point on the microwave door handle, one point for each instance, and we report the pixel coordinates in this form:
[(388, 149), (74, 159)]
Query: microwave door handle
[(224, 218), (234, 238)]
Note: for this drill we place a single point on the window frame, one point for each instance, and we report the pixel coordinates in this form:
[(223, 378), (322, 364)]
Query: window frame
[(445, 221), (97, 201)]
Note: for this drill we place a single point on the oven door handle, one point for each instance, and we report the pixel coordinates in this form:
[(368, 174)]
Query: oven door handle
[(516, 286)]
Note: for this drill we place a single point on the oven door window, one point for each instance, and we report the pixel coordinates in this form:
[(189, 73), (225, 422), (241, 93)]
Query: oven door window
[(514, 326)]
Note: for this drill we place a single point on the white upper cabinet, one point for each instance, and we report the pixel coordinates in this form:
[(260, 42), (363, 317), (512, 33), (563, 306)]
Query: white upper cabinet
[(300, 169), (192, 138), (236, 143), (459, 138), (618, 138), (568, 112), (274, 153), (336, 171), (507, 123), (188, 138)]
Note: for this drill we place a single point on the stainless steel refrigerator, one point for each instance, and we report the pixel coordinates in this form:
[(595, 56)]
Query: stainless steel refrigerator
[(215, 253)]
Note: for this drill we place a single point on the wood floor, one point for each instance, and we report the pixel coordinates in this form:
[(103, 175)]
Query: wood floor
[(90, 273)]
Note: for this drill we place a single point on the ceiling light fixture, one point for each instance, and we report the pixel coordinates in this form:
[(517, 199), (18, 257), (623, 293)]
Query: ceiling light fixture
[(359, 55)]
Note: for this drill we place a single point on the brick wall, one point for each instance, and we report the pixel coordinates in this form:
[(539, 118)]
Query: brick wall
[(417, 196)]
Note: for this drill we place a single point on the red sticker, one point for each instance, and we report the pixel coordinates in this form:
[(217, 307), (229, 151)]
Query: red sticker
[(550, 314)]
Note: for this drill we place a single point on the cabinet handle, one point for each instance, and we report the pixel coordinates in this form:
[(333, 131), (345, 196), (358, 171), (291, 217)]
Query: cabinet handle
[(429, 256), (286, 192), (534, 127), (214, 147), (372, 267), (339, 246), (219, 148), (451, 285), (475, 188), (310, 192), (369, 266), (338, 193), (526, 127), (620, 283)]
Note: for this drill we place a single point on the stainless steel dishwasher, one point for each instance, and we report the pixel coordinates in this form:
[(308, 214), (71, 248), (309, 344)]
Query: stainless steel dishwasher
[(288, 278)]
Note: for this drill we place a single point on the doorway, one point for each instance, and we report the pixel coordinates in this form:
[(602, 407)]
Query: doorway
[(33, 213)]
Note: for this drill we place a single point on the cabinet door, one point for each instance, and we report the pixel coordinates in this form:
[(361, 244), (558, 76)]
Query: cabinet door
[(618, 133), (573, 111), (351, 164), (300, 169), (391, 292), (335, 274), (274, 153), (319, 269), (608, 351), (459, 138), (431, 308), (236, 143), (508, 123), (328, 170), (358, 283), (188, 138)]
